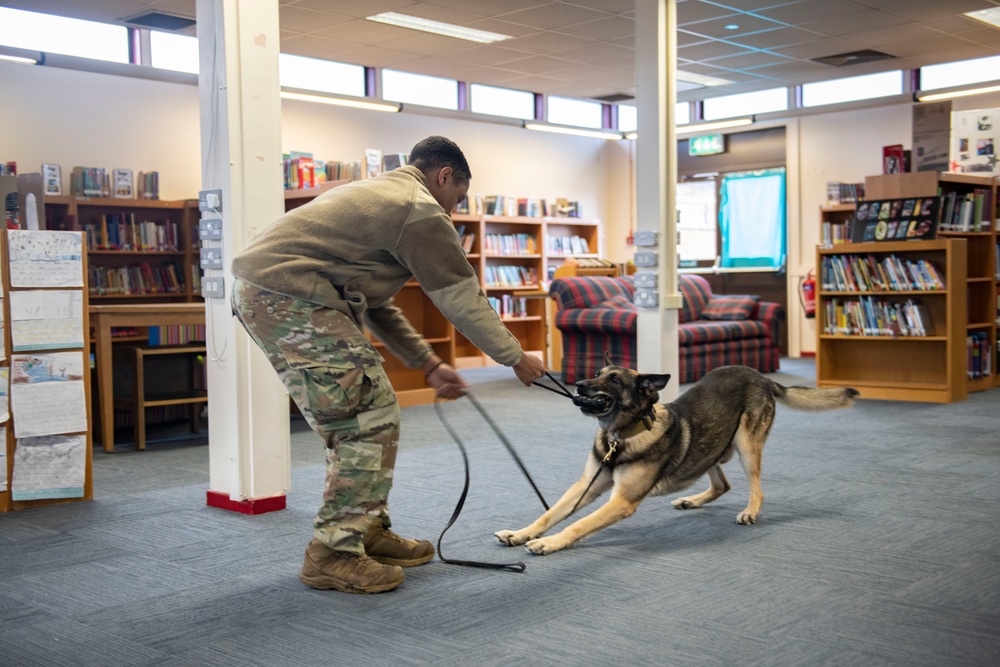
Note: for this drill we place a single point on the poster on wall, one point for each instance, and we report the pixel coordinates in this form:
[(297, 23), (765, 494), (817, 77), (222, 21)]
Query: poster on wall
[(931, 132), (975, 139)]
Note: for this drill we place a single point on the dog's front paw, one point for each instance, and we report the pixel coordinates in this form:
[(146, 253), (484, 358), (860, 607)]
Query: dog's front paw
[(511, 538), (746, 518), (685, 504), (545, 545)]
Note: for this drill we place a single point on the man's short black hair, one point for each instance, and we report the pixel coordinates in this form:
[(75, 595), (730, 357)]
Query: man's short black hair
[(435, 152)]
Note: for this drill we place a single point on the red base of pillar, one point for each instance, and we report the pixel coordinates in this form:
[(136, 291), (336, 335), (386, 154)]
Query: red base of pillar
[(249, 506), (807, 354)]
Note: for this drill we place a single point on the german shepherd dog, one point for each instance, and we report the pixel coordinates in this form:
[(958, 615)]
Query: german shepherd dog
[(644, 448)]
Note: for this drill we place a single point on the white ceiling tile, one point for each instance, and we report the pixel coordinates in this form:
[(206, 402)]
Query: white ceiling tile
[(857, 22), (922, 10), (696, 10), (770, 39), (548, 42), (299, 20), (352, 7), (721, 28), (611, 27), (811, 10), (597, 52), (552, 15), (482, 7)]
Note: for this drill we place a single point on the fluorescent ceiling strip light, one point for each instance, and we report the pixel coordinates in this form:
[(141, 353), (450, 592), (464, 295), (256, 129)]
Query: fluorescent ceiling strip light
[(933, 97), (437, 27), (701, 79), (23, 56), (990, 16), (717, 125), (343, 101), (568, 129)]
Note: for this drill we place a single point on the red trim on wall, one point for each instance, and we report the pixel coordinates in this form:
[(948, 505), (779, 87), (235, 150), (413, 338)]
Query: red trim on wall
[(248, 506), (807, 354)]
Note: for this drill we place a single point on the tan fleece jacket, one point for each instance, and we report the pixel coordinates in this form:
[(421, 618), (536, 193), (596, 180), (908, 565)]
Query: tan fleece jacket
[(352, 249)]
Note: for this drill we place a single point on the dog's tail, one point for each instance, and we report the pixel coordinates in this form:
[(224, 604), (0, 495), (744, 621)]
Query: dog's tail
[(808, 398)]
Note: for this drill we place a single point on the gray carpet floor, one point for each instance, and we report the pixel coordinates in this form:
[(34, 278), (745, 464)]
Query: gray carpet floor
[(877, 545)]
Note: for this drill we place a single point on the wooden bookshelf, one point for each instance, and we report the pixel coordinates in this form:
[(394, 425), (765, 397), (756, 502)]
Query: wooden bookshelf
[(174, 267), (982, 269), (520, 242), (927, 368), (835, 227)]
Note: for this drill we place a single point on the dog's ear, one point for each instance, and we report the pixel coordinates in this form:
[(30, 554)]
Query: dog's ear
[(653, 381), (607, 358)]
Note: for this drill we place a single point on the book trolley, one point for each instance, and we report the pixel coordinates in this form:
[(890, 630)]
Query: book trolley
[(47, 454)]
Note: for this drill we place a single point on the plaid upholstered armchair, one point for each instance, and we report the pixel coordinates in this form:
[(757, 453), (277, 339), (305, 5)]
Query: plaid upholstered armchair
[(595, 314)]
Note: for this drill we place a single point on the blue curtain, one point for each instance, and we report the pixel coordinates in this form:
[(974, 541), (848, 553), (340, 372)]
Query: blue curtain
[(752, 219)]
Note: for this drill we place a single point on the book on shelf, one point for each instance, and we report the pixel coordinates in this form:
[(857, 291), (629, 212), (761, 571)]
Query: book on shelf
[(373, 162), (392, 161), (136, 279), (300, 170), (147, 185), (912, 219), (509, 244), (895, 159), (508, 305), (978, 355), (568, 245), (120, 231)]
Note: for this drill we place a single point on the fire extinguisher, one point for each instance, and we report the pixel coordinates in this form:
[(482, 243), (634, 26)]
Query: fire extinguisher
[(807, 294)]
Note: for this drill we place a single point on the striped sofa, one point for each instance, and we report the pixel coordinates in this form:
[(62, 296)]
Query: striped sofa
[(595, 314)]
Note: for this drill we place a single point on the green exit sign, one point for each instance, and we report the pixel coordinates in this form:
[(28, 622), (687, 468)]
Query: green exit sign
[(710, 144)]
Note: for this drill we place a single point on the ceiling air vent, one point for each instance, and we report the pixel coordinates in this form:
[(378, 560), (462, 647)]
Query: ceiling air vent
[(854, 58), (160, 21), (615, 97)]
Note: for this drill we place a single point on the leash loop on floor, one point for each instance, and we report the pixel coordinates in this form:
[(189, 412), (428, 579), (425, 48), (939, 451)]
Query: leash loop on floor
[(510, 567)]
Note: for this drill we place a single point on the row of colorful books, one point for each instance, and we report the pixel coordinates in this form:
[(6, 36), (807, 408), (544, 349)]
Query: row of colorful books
[(969, 212), (136, 279), (511, 276), (120, 231), (509, 244), (176, 334), (858, 273), (874, 316), (302, 170), (568, 245), (508, 305)]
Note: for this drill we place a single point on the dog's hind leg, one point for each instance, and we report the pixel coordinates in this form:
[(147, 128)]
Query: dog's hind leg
[(563, 507), (719, 485), (749, 441)]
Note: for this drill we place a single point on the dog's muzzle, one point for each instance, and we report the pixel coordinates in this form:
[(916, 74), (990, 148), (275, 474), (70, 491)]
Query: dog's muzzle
[(596, 404)]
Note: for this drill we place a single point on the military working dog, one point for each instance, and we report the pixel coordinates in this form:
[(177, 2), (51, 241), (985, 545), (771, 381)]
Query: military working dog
[(644, 448)]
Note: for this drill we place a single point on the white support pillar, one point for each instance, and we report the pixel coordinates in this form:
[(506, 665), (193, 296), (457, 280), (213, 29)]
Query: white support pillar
[(656, 176), (249, 458)]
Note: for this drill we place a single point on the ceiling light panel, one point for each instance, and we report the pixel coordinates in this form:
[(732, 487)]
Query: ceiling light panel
[(438, 27)]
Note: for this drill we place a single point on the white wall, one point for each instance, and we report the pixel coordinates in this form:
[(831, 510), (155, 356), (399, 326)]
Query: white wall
[(79, 118), (73, 118)]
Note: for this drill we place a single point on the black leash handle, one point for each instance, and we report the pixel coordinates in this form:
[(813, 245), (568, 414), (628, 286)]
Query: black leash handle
[(510, 567)]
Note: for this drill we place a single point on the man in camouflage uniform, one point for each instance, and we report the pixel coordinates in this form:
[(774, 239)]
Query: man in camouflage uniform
[(305, 288)]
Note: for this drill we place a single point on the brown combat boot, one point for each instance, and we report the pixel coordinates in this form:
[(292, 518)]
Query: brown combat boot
[(346, 571), (389, 548)]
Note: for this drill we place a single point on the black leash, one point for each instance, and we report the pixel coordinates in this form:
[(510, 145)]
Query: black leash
[(510, 567)]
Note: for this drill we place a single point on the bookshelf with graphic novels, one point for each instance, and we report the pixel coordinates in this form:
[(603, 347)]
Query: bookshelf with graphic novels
[(970, 211), (891, 319)]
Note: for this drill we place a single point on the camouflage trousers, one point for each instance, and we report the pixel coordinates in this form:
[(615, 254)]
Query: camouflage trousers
[(335, 376)]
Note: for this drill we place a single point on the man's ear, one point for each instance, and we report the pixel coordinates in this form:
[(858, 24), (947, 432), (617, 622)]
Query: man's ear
[(443, 175)]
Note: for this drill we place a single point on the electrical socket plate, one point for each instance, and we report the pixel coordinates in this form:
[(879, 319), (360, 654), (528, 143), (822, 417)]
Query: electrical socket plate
[(210, 229), (646, 258), (211, 258), (210, 200), (213, 288), (647, 238), (646, 298), (647, 280)]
